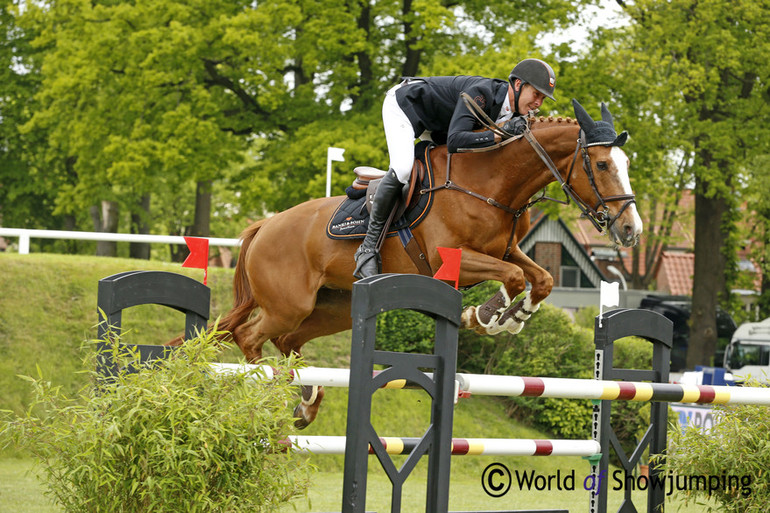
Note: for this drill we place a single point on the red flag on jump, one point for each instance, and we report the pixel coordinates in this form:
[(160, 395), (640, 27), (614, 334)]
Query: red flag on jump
[(450, 269), (199, 255)]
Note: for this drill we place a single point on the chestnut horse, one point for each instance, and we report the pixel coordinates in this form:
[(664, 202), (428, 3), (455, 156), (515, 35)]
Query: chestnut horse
[(301, 280)]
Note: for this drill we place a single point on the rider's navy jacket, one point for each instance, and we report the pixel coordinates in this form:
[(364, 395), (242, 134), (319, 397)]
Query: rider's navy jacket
[(434, 104)]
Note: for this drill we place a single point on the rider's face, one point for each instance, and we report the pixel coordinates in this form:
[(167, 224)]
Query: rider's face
[(529, 99)]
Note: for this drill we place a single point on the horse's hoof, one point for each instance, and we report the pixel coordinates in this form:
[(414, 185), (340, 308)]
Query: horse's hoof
[(301, 422), (514, 327), (494, 329), (519, 313)]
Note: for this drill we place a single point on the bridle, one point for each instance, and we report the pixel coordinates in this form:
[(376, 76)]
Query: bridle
[(599, 213)]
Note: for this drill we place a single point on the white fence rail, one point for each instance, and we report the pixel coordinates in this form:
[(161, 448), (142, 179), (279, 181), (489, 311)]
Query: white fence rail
[(25, 235)]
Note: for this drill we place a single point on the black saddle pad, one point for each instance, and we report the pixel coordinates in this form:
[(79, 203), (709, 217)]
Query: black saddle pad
[(351, 219)]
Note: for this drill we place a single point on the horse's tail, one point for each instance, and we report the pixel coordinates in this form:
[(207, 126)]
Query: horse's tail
[(243, 299)]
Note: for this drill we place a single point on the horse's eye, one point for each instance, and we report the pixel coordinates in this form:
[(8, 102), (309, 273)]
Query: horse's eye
[(601, 165)]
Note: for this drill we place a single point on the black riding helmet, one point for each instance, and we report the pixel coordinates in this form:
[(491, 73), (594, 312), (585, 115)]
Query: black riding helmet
[(536, 73)]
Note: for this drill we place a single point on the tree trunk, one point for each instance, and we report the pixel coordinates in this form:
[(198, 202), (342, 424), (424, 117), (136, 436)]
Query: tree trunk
[(201, 226), (140, 224), (412, 54), (202, 223), (709, 275), (106, 220)]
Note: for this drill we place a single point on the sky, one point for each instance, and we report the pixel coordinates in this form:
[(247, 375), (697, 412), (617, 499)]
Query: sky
[(608, 13)]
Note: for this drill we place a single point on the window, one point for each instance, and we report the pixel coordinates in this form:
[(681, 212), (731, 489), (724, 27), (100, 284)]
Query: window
[(570, 276)]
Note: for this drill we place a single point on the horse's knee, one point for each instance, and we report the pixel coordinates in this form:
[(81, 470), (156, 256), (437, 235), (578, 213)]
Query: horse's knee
[(541, 288), (515, 282)]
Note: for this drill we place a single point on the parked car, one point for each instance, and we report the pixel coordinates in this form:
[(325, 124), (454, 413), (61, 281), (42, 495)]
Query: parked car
[(677, 309), (749, 351)]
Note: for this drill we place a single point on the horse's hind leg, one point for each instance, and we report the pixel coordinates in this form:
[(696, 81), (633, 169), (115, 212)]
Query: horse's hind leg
[(249, 339), (331, 315), (267, 324)]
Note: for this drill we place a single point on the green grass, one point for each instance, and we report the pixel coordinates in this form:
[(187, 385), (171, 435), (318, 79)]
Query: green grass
[(48, 309), (21, 492)]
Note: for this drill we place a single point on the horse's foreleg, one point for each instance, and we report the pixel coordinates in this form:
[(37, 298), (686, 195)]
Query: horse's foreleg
[(476, 267), (542, 283)]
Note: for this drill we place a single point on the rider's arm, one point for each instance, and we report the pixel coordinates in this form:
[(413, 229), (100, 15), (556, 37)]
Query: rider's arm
[(461, 134)]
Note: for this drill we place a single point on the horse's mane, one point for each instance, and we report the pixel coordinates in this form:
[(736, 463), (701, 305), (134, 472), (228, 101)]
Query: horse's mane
[(552, 120)]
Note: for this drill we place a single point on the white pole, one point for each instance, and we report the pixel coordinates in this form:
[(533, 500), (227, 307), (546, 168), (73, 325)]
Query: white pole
[(25, 235), (332, 154), (24, 243), (561, 388)]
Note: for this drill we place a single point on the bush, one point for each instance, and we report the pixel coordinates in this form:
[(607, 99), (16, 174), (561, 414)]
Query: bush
[(630, 419), (586, 316), (405, 331), (551, 344), (736, 453), (169, 438)]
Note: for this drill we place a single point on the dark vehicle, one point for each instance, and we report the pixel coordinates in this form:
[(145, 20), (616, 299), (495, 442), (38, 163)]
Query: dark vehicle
[(677, 309)]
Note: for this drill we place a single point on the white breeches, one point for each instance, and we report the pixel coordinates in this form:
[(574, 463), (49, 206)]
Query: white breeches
[(399, 135)]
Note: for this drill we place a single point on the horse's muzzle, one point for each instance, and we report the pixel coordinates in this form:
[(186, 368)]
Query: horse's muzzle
[(625, 234)]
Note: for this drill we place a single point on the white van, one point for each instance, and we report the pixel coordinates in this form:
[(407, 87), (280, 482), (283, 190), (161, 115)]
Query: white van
[(748, 354)]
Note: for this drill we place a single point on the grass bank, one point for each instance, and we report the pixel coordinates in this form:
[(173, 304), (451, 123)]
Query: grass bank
[(48, 310)]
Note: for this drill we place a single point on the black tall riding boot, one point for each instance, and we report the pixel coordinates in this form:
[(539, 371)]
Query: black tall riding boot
[(367, 257)]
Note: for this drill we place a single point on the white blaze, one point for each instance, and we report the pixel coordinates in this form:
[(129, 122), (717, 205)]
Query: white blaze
[(621, 164)]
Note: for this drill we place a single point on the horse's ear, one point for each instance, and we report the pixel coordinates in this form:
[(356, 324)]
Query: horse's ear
[(621, 139), (606, 116), (585, 121)]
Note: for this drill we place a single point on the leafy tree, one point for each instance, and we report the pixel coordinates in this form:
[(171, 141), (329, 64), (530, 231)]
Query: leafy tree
[(397, 39), (757, 232), (21, 196), (697, 71), (147, 108)]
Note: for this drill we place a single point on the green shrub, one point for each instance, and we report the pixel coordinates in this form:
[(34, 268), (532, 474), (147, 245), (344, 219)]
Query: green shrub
[(405, 331), (551, 344), (586, 316), (169, 438), (736, 451)]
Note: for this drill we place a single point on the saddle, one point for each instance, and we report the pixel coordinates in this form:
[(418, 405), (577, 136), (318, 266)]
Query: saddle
[(351, 218), (368, 179)]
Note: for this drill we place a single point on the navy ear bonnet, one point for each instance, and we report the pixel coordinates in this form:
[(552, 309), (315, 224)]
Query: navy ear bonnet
[(598, 133)]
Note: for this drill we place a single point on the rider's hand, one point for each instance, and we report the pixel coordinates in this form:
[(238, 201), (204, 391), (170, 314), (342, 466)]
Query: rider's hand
[(515, 125)]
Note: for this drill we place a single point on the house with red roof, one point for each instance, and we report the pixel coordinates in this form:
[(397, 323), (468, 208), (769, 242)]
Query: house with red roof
[(579, 257)]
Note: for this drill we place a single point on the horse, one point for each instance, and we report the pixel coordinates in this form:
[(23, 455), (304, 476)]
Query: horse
[(301, 280)]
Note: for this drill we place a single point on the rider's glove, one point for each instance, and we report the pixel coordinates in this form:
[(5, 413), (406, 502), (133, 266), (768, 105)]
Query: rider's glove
[(515, 125)]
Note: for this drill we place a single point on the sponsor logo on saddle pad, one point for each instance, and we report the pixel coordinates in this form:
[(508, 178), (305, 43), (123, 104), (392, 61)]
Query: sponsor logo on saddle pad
[(347, 224)]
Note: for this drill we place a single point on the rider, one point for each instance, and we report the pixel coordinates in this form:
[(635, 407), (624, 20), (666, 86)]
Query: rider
[(431, 108)]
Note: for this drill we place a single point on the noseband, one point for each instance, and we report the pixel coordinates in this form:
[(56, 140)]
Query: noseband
[(599, 214)]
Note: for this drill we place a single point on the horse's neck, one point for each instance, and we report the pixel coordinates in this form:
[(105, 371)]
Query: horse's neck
[(530, 173)]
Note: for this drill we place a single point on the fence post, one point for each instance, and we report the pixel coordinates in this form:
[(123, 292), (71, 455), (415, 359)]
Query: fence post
[(659, 331), (134, 288), (372, 296)]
